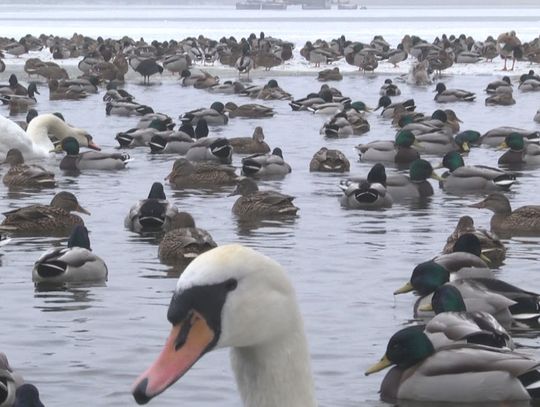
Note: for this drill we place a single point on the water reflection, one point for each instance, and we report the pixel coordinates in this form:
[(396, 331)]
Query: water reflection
[(64, 297)]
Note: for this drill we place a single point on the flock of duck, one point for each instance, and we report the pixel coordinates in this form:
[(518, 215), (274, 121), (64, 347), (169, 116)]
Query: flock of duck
[(232, 296)]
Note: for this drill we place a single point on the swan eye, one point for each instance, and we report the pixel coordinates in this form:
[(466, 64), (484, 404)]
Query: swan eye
[(231, 284)]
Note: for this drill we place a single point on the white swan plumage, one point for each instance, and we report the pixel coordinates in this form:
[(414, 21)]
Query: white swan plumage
[(233, 296), (35, 142)]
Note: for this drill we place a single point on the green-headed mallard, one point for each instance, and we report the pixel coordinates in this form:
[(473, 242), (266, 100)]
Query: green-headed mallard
[(490, 244), (452, 95), (139, 137), (461, 178), (154, 213), (399, 151), (89, 160), (389, 89), (503, 97), (250, 145), (452, 322), (21, 175), (389, 108), (520, 151), (216, 149), (54, 219), (524, 220), (495, 137), (492, 87), (214, 115), (250, 110), (465, 373), (72, 264), (187, 174), (415, 185), (507, 303), (328, 160), (253, 203), (338, 127), (366, 193), (466, 252), (180, 245), (266, 165)]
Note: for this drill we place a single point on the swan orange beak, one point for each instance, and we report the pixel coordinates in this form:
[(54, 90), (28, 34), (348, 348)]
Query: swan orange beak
[(188, 341), (93, 145)]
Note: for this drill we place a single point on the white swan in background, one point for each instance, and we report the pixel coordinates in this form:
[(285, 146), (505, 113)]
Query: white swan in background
[(232, 296), (35, 142)]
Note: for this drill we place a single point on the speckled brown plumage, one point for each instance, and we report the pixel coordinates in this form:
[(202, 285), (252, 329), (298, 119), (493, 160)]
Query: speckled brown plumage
[(188, 174)]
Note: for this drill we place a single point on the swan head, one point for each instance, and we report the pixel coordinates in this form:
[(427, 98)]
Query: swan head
[(230, 296)]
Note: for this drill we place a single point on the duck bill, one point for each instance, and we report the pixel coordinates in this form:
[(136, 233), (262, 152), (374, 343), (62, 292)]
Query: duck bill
[(187, 343), (80, 209), (478, 205), (380, 365), (465, 147), (502, 146), (485, 258), (407, 288), (436, 176), (425, 308)]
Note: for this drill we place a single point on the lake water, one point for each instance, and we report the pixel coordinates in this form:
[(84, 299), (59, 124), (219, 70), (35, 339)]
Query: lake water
[(86, 345)]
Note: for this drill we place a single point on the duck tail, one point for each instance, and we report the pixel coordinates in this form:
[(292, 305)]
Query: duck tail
[(505, 181)]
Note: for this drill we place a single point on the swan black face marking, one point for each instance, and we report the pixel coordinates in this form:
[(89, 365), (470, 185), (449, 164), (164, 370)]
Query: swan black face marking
[(207, 300)]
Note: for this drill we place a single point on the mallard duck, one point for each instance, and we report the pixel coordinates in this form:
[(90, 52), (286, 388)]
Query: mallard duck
[(73, 264), (27, 395), (328, 160), (250, 145), (177, 63), (389, 89), (35, 141), (126, 108), (452, 95), (323, 96), (509, 304), (519, 152), (332, 74), (198, 78), (495, 137), (214, 116), (466, 252), (355, 116), (255, 310), (397, 55), (415, 185), (266, 165), (490, 244), (215, 149), (338, 127), (438, 121), (253, 203), (389, 108), (139, 137), (504, 82), (54, 219), (21, 175), (251, 110), (244, 64), (530, 85), (89, 160), (461, 178), (20, 103), (10, 381), (177, 142), (186, 174), (399, 151), (502, 97), (465, 373), (366, 193), (184, 241), (524, 220), (453, 324), (509, 46), (152, 214)]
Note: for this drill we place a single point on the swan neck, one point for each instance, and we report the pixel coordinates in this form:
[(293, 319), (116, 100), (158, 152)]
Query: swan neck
[(275, 373)]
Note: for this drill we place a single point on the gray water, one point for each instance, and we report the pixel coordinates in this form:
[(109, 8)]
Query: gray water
[(86, 345)]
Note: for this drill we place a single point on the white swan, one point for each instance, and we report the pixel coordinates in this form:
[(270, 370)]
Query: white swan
[(232, 296), (35, 142)]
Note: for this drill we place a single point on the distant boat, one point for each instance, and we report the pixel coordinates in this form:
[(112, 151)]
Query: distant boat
[(346, 5), (316, 5), (248, 5), (274, 5)]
